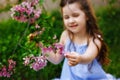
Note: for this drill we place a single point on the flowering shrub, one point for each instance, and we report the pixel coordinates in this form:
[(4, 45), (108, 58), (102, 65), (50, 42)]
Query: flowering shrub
[(37, 63), (11, 31), (7, 71), (27, 12)]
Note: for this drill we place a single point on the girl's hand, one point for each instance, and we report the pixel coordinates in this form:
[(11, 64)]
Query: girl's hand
[(73, 58)]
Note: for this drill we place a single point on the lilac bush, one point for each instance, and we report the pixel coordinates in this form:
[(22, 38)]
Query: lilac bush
[(36, 63), (28, 12), (36, 44), (7, 71)]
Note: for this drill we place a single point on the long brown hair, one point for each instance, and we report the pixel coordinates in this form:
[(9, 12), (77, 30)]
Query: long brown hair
[(91, 27)]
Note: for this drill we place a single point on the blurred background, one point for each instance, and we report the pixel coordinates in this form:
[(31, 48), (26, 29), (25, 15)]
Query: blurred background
[(108, 16)]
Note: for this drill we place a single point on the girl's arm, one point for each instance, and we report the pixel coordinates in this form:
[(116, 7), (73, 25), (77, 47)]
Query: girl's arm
[(56, 58), (90, 54)]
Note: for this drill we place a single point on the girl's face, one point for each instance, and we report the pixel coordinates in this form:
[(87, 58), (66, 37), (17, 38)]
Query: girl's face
[(74, 18)]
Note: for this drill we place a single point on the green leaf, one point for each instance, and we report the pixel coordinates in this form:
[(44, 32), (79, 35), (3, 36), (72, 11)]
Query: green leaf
[(41, 2)]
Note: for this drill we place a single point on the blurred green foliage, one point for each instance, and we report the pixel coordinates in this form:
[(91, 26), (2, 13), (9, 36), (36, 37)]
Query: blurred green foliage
[(108, 20), (112, 1)]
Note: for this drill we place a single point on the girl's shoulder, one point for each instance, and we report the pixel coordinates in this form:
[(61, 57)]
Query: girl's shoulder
[(64, 37), (95, 41)]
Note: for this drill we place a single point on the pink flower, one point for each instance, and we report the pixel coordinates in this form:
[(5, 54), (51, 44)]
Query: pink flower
[(36, 63), (4, 68), (37, 13), (40, 62), (4, 72), (26, 12), (55, 47), (37, 26), (0, 74), (60, 47), (11, 64), (34, 2), (26, 60), (47, 50)]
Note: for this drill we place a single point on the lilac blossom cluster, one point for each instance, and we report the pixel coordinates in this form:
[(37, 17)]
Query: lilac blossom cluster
[(36, 63), (26, 12), (8, 71), (53, 48), (39, 62)]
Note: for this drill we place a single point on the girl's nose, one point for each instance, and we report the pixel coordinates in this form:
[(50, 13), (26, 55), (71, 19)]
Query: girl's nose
[(71, 20)]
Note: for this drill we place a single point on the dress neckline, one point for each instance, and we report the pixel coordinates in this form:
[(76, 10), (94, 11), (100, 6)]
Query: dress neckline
[(79, 45)]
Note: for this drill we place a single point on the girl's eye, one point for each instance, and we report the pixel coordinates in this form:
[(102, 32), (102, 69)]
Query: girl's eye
[(75, 15), (65, 17)]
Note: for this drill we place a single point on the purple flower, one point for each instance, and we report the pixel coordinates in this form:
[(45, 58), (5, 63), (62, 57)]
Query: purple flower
[(34, 2), (26, 12), (47, 50), (36, 63), (11, 63), (40, 62), (5, 73), (0, 74), (60, 47)]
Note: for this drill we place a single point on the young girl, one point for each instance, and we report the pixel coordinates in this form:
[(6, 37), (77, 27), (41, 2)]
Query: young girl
[(85, 49)]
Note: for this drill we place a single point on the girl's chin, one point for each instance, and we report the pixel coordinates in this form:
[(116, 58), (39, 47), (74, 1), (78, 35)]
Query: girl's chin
[(74, 31)]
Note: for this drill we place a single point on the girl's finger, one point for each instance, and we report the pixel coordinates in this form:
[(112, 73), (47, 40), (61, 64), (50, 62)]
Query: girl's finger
[(71, 63), (71, 59), (70, 56)]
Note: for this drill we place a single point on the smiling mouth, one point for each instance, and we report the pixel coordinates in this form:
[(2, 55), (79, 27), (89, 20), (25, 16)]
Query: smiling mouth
[(73, 25)]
